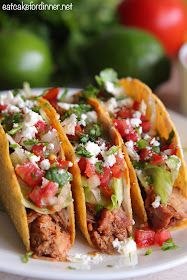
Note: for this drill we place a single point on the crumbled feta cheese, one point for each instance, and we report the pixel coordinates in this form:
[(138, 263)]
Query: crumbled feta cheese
[(83, 120), (34, 158), (32, 118), (91, 116), (156, 202), (154, 142), (109, 161), (12, 109), (45, 164), (52, 137), (66, 106), (29, 132), (113, 89), (127, 248), (93, 148), (135, 122), (70, 164), (130, 150), (143, 107), (69, 124), (50, 146), (110, 105)]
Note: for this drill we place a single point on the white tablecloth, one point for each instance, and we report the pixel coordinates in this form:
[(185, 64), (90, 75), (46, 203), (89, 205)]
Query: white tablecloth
[(179, 272)]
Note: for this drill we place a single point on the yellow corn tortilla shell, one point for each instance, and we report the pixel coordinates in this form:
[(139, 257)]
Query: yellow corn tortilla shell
[(10, 190), (161, 122), (77, 189)]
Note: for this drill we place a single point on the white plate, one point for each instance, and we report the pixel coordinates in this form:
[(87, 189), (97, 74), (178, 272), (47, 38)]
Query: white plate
[(11, 249)]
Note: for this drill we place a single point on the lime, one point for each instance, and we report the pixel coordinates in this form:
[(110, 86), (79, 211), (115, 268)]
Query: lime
[(24, 57), (131, 52)]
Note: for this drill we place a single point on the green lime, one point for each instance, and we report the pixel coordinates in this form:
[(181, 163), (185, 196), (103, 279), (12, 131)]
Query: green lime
[(23, 57), (131, 52)]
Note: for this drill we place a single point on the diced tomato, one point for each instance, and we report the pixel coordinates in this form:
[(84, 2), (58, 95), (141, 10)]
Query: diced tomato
[(162, 236), (105, 178), (3, 107), (145, 154), (144, 238), (90, 169), (157, 159), (63, 163), (41, 127), (38, 150), (146, 126), (118, 168), (41, 196), (52, 94), (82, 164), (78, 133), (122, 126), (30, 174), (136, 105), (132, 136), (172, 148), (124, 113)]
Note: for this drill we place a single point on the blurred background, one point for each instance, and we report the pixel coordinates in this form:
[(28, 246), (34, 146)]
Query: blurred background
[(138, 38)]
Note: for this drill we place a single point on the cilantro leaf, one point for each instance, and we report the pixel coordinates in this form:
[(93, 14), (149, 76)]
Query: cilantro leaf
[(106, 75), (77, 110), (148, 252), (94, 132), (13, 146), (81, 151), (90, 91), (84, 138), (25, 258), (169, 245), (99, 167), (142, 144), (58, 175), (112, 150), (30, 142)]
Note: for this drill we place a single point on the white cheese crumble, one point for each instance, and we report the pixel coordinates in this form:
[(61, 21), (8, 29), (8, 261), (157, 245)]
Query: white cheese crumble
[(91, 116), (128, 102), (11, 109), (45, 164), (127, 248), (93, 148), (135, 122), (50, 146), (83, 120), (66, 106), (32, 118), (130, 150), (109, 160), (137, 115), (33, 158), (113, 89), (154, 142), (29, 132), (69, 124), (110, 105), (156, 202)]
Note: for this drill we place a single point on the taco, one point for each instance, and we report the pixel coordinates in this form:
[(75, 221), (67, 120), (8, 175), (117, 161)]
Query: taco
[(152, 148), (101, 186), (35, 182)]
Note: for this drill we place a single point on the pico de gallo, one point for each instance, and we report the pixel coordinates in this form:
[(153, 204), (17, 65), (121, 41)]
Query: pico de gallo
[(36, 154)]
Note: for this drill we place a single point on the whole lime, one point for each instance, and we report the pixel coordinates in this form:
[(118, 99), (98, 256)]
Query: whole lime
[(131, 52), (23, 57)]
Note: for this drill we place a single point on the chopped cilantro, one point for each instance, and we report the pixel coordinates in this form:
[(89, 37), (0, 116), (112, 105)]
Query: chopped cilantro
[(148, 252), (8, 120), (156, 149), (71, 267), (77, 110), (112, 150), (36, 109), (63, 94), (15, 130), (84, 138), (58, 175), (170, 138), (13, 146), (142, 144), (169, 245), (94, 132), (25, 258), (99, 167), (90, 91), (106, 75), (139, 165), (30, 142), (81, 151)]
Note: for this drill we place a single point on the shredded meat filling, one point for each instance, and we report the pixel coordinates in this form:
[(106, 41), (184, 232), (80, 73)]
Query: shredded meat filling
[(106, 226), (48, 237), (165, 216)]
